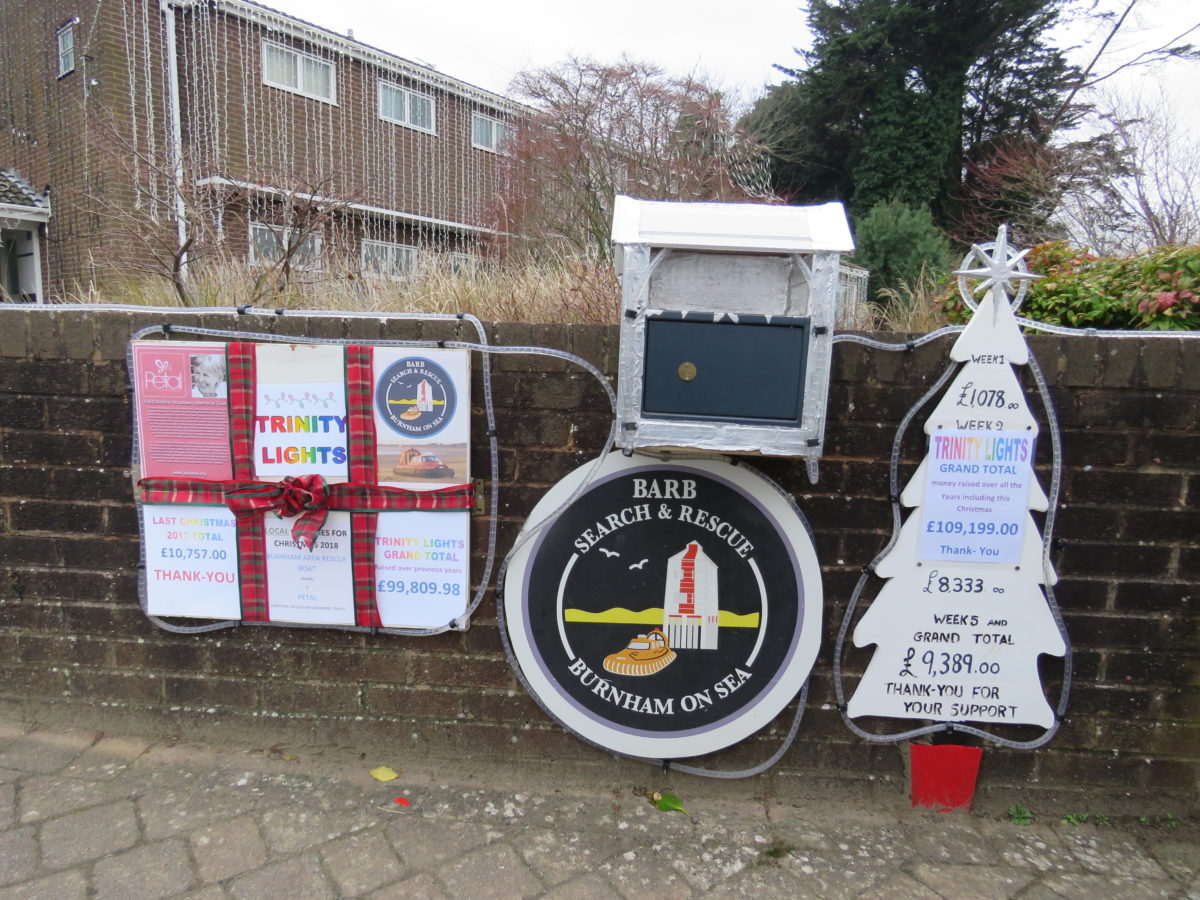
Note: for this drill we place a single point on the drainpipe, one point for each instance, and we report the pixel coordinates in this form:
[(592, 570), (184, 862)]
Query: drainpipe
[(172, 64)]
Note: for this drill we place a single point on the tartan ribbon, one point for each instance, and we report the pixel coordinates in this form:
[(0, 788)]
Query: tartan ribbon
[(242, 374), (307, 497), (304, 497), (361, 448), (251, 534)]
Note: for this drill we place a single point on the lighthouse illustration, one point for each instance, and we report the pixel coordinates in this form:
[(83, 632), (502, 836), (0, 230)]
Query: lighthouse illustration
[(424, 396), (690, 610)]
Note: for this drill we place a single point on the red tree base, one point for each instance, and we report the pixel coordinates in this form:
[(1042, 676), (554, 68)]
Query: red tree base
[(943, 775)]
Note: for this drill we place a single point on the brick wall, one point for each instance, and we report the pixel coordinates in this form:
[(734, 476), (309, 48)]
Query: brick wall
[(74, 132), (43, 117), (73, 638), (238, 127)]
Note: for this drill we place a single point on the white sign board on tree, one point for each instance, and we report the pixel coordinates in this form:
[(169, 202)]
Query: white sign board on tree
[(963, 616), (976, 496)]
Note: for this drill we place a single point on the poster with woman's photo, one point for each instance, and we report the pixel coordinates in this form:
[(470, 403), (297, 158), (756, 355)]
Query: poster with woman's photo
[(180, 389), (209, 378)]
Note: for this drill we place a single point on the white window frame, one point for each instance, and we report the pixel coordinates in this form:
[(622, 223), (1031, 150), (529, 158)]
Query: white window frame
[(64, 44), (496, 125), (282, 235), (395, 252), (385, 86), (463, 264), (298, 88)]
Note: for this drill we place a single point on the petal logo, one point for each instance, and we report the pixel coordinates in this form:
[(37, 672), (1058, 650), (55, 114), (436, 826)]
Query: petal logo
[(163, 378)]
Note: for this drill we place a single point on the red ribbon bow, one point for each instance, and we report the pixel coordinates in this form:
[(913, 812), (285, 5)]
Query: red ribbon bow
[(305, 497)]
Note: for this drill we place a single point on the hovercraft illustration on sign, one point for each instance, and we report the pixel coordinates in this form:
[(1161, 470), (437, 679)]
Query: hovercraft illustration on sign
[(671, 610), (691, 582), (415, 464)]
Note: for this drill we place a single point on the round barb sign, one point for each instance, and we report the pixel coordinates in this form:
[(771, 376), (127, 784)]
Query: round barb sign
[(673, 609), (415, 397)]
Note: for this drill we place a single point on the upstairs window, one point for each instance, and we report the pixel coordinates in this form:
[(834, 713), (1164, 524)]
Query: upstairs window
[(490, 134), (65, 40), (405, 107), (298, 72), (268, 244), (387, 260)]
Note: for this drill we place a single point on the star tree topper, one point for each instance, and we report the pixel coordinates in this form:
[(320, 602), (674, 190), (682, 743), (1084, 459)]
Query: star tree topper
[(993, 328)]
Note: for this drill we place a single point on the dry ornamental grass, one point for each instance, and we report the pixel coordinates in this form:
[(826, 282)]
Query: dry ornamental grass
[(567, 289)]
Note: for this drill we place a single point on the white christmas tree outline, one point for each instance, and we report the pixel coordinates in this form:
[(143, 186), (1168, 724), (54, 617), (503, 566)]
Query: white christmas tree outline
[(990, 345)]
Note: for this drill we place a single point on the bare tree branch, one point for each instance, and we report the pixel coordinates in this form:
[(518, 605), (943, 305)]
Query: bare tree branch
[(141, 195), (1155, 199), (603, 129)]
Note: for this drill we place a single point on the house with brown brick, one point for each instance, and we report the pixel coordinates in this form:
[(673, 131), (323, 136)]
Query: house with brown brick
[(153, 136), (23, 215)]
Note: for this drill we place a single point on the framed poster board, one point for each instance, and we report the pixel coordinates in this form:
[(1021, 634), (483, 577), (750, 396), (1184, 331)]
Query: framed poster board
[(316, 484)]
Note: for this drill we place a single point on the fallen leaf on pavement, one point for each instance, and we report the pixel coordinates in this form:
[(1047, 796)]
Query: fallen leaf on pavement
[(669, 802)]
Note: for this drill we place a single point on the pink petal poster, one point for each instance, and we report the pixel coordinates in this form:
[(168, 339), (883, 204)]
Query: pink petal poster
[(180, 389)]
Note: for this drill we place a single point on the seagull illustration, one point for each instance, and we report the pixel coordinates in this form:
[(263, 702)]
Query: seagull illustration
[(639, 565), (609, 552)]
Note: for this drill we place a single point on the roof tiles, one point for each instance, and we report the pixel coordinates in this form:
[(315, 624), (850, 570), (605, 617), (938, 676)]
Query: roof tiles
[(16, 191)]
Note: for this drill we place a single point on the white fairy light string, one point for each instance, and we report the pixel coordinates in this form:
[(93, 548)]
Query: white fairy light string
[(408, 186)]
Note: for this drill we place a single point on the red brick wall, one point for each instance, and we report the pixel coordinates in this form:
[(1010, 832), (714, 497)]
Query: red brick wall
[(72, 635), (42, 132), (73, 133), (262, 134)]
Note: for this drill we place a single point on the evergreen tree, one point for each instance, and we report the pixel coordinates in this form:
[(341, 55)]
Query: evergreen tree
[(897, 96), (897, 242)]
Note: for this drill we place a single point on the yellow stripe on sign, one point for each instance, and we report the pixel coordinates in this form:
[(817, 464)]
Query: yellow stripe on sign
[(619, 615), (413, 402)]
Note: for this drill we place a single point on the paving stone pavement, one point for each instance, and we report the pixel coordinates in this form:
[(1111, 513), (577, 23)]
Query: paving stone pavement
[(90, 815)]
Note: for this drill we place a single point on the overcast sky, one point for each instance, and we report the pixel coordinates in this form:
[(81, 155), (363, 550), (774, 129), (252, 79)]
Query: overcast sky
[(485, 42)]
